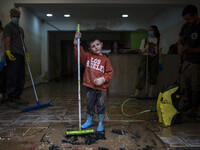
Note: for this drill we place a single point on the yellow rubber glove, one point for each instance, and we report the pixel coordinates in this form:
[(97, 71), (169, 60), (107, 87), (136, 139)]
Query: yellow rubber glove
[(28, 57), (10, 56)]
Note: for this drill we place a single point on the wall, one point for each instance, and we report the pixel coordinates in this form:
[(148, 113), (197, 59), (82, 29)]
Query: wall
[(68, 59), (5, 6), (32, 29), (46, 52), (136, 38), (169, 22), (55, 39), (125, 74)]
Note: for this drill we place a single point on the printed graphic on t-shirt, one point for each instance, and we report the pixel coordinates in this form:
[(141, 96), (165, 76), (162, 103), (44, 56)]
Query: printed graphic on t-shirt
[(152, 49), (194, 35), (95, 64)]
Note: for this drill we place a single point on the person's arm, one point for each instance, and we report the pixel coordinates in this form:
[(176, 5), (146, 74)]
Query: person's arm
[(7, 43), (8, 52), (108, 71), (188, 50), (2, 49), (160, 53), (144, 46), (180, 46), (83, 54), (160, 67), (7, 33)]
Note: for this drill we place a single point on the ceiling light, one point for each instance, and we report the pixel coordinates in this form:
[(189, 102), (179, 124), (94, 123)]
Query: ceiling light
[(67, 15), (49, 15), (124, 15)]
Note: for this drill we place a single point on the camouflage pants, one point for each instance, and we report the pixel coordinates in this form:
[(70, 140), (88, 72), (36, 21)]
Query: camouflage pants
[(152, 71)]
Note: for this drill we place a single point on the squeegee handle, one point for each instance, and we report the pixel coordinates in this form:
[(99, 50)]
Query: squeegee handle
[(29, 70), (78, 27), (79, 79)]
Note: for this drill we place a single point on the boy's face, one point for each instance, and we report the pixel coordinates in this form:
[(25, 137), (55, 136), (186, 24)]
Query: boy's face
[(96, 47)]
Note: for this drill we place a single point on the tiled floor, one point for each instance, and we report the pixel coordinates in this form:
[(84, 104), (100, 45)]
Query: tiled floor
[(45, 128)]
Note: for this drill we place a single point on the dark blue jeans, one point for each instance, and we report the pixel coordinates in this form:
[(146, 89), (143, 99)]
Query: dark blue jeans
[(15, 75), (98, 98), (3, 80)]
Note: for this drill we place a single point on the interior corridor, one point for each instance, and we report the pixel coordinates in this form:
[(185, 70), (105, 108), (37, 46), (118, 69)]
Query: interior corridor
[(45, 128)]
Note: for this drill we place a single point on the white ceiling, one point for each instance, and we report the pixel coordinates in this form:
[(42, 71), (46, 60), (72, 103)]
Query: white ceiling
[(98, 11)]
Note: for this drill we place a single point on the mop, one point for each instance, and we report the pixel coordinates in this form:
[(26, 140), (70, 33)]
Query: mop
[(146, 87), (38, 103), (79, 96)]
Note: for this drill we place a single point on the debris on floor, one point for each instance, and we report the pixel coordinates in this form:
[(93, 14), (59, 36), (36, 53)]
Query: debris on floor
[(45, 129)]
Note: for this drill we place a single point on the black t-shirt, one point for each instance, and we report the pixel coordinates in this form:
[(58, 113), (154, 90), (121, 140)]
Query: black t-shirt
[(13, 31), (191, 36)]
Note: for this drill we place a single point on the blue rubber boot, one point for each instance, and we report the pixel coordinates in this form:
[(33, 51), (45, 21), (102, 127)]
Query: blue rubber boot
[(88, 123), (100, 127)]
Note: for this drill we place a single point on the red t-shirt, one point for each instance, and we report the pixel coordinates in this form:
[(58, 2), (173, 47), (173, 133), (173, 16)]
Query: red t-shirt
[(95, 66)]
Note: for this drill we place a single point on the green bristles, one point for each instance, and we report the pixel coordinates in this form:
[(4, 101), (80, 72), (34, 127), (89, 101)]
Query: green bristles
[(80, 132)]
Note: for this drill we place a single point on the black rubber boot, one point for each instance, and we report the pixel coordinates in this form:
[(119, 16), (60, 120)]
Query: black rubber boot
[(11, 103)]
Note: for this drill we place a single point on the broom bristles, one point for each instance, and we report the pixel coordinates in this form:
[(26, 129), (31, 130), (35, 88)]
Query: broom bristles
[(79, 132)]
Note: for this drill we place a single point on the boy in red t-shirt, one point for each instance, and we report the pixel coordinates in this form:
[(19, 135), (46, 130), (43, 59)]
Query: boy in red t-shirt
[(98, 72)]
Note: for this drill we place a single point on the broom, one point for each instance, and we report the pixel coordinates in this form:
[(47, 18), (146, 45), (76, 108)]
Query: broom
[(38, 103), (79, 96)]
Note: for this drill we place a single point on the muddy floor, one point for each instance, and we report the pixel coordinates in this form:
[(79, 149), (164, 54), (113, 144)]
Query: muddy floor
[(45, 129), (123, 136)]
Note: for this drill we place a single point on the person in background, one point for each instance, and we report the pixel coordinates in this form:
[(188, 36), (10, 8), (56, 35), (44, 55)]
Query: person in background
[(15, 74), (189, 49), (98, 72), (173, 49), (2, 63), (152, 47)]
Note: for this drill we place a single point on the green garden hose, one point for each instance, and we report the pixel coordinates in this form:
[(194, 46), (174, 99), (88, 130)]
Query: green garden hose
[(130, 116)]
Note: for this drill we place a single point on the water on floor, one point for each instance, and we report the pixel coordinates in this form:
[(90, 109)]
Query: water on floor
[(45, 128)]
